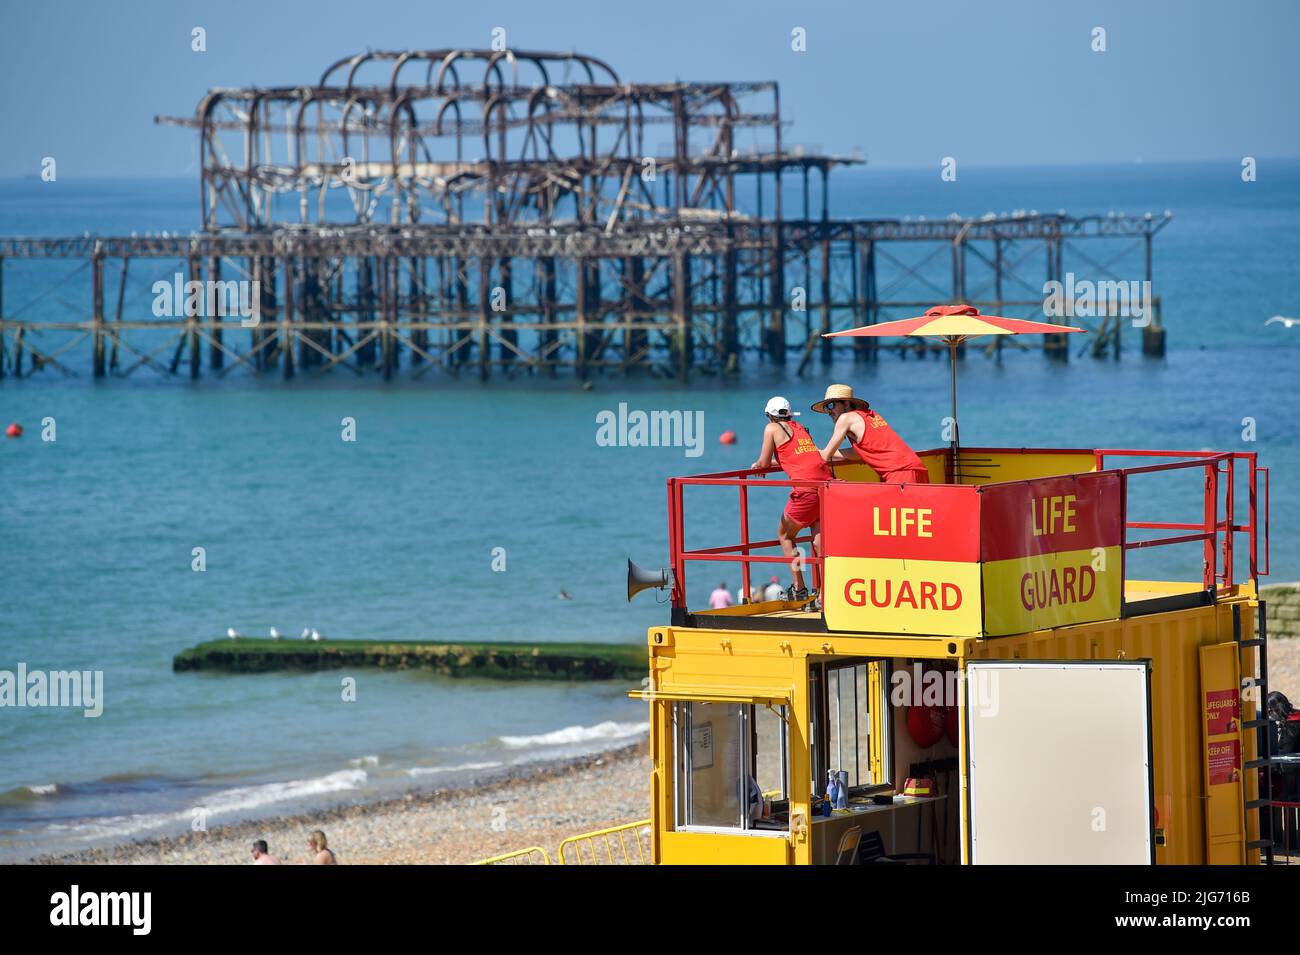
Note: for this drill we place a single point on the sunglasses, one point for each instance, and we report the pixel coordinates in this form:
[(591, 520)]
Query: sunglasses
[(831, 405)]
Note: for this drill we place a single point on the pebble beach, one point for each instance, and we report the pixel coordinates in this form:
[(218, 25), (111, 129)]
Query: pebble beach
[(539, 806)]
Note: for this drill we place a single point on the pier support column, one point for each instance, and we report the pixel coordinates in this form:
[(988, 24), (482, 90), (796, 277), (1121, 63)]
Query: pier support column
[(1153, 336), (506, 317), (286, 320), (97, 283), (388, 337), (867, 347), (216, 357), (192, 334), (546, 351), (775, 337), (825, 251), (484, 307), (365, 310), (682, 313), (730, 319), (1055, 345), (418, 311), (580, 290)]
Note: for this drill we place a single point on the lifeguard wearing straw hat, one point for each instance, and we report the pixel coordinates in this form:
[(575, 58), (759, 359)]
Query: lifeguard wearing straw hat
[(840, 393)]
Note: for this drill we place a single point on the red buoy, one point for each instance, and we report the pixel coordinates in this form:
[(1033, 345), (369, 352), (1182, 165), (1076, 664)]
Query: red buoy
[(728, 437), (14, 430), (925, 724)]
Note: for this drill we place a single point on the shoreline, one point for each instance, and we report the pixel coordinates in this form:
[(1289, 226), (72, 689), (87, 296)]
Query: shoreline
[(537, 803)]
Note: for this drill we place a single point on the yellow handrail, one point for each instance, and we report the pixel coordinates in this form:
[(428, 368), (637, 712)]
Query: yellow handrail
[(613, 842), (519, 857)]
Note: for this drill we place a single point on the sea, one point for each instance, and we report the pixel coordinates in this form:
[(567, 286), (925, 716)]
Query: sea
[(472, 511)]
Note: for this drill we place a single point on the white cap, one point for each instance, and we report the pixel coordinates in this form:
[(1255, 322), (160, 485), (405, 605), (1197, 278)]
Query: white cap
[(778, 407)]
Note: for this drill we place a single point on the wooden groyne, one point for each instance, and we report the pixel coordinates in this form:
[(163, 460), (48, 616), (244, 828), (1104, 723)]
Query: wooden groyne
[(503, 661)]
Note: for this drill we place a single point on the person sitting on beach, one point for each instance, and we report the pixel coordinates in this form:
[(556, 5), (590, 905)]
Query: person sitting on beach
[(870, 437), (261, 856), (797, 454), (720, 598), (322, 854)]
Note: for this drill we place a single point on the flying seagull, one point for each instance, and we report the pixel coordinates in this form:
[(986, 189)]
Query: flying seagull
[(1288, 322)]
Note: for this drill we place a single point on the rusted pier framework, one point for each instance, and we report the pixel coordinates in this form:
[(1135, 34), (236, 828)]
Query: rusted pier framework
[(490, 212)]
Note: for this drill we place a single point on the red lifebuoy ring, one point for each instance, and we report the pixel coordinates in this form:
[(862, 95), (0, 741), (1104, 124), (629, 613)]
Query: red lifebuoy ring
[(925, 724)]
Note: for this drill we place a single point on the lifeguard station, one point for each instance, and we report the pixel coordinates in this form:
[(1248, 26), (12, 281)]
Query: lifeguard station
[(982, 632)]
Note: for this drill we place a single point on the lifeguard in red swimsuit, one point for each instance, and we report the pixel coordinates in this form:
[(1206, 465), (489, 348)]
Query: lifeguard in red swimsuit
[(799, 457), (870, 437)]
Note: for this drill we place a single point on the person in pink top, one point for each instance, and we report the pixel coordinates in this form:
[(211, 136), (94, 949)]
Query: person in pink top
[(720, 598)]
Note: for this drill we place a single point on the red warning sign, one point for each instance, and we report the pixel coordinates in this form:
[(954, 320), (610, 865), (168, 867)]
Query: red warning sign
[(1225, 762), (1221, 708)]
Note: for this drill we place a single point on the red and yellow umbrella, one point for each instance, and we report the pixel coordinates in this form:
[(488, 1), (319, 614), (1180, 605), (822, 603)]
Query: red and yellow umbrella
[(953, 324)]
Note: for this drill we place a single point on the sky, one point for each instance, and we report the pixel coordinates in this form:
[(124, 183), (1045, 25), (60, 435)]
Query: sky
[(990, 83)]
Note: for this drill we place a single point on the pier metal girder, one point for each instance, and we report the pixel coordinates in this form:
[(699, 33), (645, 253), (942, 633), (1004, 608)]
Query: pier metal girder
[(698, 237), (417, 293)]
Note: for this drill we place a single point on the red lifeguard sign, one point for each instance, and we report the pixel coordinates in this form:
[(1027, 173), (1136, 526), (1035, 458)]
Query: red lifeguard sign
[(902, 558)]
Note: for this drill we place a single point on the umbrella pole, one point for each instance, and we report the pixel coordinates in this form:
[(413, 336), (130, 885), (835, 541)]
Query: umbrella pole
[(956, 436)]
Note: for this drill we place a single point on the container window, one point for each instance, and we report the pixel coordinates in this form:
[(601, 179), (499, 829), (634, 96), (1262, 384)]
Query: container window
[(849, 700), (732, 764)]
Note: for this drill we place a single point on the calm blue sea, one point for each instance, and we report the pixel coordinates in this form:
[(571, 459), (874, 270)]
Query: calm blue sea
[(393, 535)]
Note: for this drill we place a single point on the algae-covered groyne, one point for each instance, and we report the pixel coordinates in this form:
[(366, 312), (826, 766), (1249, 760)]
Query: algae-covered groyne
[(523, 661)]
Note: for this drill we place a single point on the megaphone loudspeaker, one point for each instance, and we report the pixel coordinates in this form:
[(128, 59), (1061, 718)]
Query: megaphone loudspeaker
[(639, 579)]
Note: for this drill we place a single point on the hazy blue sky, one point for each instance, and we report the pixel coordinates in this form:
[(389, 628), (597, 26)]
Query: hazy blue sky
[(991, 83)]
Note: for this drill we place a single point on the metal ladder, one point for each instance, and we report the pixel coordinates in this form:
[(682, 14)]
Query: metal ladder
[(1260, 724)]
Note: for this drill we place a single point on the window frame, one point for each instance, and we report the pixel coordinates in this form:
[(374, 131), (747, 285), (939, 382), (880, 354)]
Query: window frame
[(682, 782), (879, 721)]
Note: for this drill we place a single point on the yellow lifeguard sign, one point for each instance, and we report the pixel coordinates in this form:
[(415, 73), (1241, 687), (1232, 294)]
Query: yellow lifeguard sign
[(1051, 550)]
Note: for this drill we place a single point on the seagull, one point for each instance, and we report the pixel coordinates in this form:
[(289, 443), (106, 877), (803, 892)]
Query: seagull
[(232, 633), (275, 634), (315, 634), (306, 634), (1288, 322)]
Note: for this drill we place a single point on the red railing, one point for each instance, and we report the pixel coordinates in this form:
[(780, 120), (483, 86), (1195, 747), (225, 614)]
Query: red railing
[(1219, 467), (742, 552)]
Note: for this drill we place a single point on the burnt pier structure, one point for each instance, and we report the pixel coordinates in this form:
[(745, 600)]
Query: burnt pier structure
[(495, 212)]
